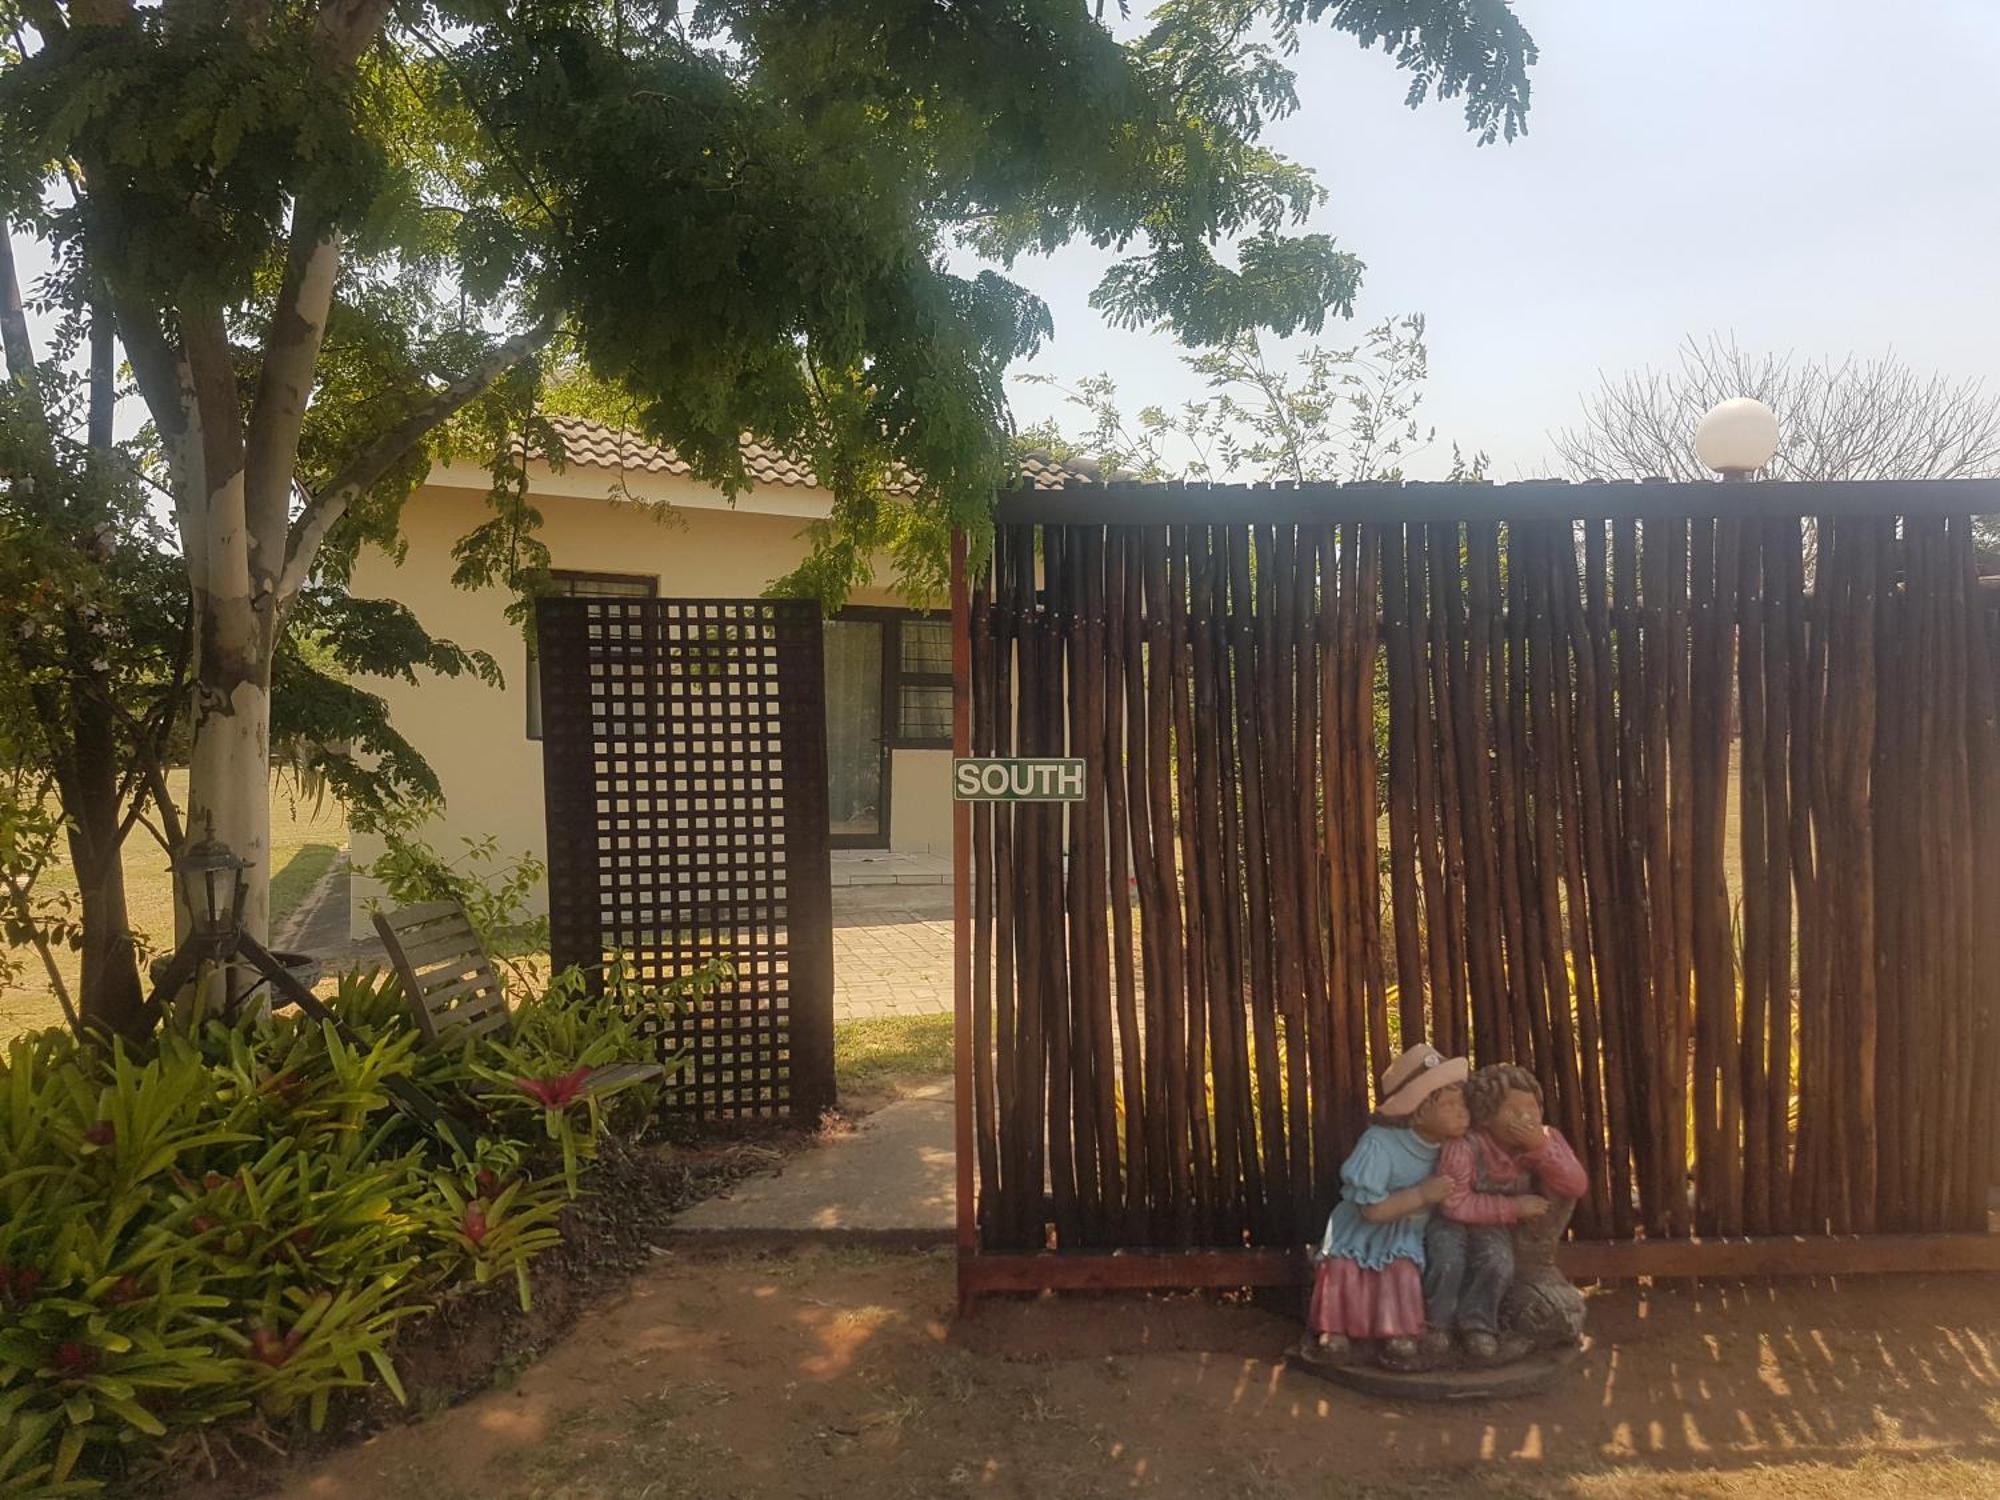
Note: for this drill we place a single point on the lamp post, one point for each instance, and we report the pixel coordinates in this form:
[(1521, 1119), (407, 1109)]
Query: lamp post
[(1737, 437), (213, 881)]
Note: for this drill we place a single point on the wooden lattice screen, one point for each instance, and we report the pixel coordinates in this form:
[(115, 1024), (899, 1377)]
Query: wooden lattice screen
[(1482, 783), (684, 762)]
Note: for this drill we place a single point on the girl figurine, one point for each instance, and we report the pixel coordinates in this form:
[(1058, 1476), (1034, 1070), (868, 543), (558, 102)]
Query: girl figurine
[(1368, 1282)]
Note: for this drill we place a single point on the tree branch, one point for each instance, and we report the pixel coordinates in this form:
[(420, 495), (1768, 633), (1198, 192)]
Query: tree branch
[(14, 340), (366, 467), (284, 384), (221, 535), (346, 29)]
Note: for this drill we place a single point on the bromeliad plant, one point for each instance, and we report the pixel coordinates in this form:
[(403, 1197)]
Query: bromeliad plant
[(572, 1029), (231, 1225)]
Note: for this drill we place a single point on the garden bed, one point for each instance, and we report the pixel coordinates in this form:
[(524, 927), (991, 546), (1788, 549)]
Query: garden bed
[(484, 1338)]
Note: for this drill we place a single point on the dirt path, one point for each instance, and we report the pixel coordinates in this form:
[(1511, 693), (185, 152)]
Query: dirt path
[(836, 1372)]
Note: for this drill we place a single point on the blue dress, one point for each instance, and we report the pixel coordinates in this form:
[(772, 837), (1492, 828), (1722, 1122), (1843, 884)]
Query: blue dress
[(1387, 1159)]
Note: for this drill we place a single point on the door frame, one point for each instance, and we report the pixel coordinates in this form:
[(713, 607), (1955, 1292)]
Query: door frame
[(885, 689), (890, 670)]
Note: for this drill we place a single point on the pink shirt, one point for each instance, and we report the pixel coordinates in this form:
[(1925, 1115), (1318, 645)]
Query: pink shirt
[(1486, 1177)]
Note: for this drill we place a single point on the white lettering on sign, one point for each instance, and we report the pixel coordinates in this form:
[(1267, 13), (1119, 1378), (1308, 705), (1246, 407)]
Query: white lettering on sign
[(1018, 780)]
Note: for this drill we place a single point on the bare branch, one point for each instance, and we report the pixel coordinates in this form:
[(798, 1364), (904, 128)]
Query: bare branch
[(1851, 419), (367, 467)]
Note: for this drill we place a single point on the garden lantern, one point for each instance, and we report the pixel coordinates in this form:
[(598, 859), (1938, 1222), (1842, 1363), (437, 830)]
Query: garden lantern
[(214, 881), (1737, 437)]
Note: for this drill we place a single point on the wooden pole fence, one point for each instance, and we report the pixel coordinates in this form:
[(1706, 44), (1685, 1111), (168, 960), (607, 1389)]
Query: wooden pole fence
[(1691, 809)]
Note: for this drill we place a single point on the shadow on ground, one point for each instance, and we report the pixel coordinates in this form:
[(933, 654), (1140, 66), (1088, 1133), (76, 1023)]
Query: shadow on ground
[(839, 1371)]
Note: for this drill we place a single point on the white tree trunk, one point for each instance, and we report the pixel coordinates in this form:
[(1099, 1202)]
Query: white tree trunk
[(229, 786)]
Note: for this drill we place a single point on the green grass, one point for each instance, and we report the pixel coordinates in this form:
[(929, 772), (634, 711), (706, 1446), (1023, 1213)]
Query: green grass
[(305, 840), (876, 1055)]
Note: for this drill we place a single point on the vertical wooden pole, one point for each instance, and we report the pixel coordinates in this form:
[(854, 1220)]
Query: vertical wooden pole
[(961, 920), (990, 1192)]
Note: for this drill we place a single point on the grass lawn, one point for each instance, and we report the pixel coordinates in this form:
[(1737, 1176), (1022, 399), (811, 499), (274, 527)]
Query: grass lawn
[(877, 1056), (305, 841)]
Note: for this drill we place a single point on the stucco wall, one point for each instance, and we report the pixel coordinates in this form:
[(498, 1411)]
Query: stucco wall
[(475, 736)]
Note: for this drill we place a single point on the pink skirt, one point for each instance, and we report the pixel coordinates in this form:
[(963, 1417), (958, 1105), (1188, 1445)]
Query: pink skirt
[(1364, 1304)]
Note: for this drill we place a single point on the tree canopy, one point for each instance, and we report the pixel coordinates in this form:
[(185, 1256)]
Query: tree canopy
[(338, 240)]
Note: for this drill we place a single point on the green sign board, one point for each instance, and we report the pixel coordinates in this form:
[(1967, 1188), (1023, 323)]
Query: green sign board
[(981, 780)]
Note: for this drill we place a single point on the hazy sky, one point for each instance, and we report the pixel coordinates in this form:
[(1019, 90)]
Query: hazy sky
[(1814, 175)]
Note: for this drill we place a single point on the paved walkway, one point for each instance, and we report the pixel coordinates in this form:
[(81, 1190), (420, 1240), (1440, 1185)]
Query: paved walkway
[(891, 943), (890, 1178), (891, 951)]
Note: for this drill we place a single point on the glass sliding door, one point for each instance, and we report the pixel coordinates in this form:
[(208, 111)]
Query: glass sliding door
[(857, 753)]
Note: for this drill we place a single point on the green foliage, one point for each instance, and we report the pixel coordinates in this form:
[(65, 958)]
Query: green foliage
[(744, 213), (231, 1226), (572, 1028)]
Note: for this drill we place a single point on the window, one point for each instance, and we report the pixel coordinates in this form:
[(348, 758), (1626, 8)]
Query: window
[(923, 683), (574, 585)]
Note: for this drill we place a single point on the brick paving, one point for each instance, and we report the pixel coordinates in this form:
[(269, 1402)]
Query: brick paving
[(891, 952)]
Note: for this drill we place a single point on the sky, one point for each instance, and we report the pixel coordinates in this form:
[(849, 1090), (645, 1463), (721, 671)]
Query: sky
[(1809, 175)]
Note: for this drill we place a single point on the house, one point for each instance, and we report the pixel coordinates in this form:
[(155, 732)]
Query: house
[(888, 668)]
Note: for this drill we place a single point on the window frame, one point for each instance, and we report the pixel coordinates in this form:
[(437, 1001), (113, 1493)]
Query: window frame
[(895, 679), (531, 681)]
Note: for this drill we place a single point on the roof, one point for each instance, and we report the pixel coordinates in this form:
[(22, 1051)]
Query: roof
[(601, 446)]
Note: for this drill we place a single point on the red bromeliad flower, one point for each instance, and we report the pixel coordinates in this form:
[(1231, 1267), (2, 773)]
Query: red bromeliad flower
[(103, 1133), (18, 1284), (125, 1289), (474, 1224), (554, 1093), (201, 1223), (73, 1361), (268, 1349), (489, 1183), (302, 1237)]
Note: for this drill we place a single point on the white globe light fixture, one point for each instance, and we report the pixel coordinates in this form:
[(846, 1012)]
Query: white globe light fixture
[(1737, 437)]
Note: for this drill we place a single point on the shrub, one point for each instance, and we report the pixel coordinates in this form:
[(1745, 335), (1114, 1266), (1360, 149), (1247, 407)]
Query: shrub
[(231, 1225)]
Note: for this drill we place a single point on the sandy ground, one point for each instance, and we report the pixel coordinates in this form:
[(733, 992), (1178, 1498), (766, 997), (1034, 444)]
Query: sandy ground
[(833, 1372)]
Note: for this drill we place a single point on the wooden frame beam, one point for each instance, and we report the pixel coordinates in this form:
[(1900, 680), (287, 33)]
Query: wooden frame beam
[(982, 1274), (1123, 503)]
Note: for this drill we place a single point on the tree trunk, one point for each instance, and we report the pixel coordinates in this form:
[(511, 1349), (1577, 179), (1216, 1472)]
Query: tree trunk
[(109, 993), (229, 786)]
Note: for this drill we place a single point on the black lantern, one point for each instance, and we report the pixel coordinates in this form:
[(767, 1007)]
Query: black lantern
[(214, 881)]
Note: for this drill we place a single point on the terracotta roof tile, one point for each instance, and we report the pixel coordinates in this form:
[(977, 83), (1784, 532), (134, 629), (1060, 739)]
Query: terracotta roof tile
[(596, 445)]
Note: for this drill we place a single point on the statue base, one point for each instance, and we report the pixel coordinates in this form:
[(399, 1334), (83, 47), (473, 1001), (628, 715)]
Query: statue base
[(1530, 1375)]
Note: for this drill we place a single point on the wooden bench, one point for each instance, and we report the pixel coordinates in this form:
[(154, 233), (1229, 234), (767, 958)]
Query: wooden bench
[(454, 991)]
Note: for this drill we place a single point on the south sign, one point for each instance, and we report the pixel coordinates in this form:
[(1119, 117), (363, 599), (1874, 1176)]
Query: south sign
[(994, 780)]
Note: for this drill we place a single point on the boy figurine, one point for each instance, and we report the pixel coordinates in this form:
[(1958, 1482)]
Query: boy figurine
[(1503, 1173)]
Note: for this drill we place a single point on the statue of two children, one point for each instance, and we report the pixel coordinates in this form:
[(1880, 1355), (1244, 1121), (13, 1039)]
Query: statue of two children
[(1441, 1249)]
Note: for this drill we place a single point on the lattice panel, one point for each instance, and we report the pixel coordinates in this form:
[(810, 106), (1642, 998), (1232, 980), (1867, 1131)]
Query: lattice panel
[(684, 762)]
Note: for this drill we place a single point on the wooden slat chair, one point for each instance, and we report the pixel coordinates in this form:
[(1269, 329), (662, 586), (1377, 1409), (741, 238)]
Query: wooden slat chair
[(453, 989)]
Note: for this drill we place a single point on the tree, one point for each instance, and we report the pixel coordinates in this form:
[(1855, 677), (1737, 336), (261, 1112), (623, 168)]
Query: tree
[(338, 238), (1340, 415), (94, 648), (92, 665), (1854, 419)]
